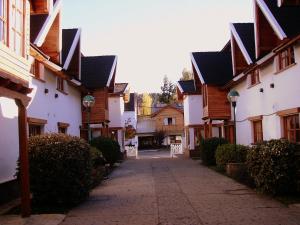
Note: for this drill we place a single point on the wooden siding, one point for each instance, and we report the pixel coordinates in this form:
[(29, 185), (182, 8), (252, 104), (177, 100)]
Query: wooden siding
[(218, 106), (52, 44), (266, 37), (40, 7), (177, 128), (239, 61), (99, 112)]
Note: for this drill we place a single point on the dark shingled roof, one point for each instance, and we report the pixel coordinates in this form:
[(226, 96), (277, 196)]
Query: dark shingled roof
[(287, 16), (95, 70), (215, 67), (130, 106), (68, 36), (36, 24), (246, 33), (120, 88), (188, 86)]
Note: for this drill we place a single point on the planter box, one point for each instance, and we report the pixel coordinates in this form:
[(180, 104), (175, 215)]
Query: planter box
[(236, 170)]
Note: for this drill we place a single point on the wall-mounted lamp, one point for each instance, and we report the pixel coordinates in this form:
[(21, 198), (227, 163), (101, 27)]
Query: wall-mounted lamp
[(56, 95), (46, 91), (272, 85), (261, 90)]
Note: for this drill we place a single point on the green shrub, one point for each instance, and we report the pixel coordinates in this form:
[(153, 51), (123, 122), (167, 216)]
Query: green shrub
[(60, 169), (208, 149), (227, 154), (109, 148), (273, 166), (98, 166)]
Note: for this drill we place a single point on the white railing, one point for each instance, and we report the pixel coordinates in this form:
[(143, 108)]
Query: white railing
[(131, 151), (176, 149)]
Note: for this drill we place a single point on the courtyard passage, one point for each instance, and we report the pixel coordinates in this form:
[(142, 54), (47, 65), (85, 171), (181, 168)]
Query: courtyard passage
[(165, 191)]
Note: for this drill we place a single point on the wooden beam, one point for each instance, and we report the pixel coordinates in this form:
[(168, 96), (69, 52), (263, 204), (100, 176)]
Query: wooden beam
[(24, 160)]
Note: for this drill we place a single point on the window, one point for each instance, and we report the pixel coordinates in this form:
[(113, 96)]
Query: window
[(35, 130), (292, 128), (37, 69), (3, 21), (16, 35), (36, 126), (254, 77), (60, 84), (257, 131), (169, 121), (62, 127), (286, 58)]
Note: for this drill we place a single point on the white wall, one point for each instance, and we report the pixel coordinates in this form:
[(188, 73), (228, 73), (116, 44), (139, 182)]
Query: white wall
[(65, 108), (116, 110), (193, 110), (252, 102), (9, 139), (145, 125)]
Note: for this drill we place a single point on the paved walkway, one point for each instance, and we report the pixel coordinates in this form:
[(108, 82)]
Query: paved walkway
[(176, 192)]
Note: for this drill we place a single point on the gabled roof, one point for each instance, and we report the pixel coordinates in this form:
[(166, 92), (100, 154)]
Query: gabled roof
[(130, 106), (245, 38), (120, 88), (213, 68), (187, 86), (45, 23), (70, 40), (288, 17), (173, 106), (97, 71)]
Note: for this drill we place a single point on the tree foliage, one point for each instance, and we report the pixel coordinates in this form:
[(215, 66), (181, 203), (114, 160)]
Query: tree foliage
[(186, 74), (168, 91), (146, 105)]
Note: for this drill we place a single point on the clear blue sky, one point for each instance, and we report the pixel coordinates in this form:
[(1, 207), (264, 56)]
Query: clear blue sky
[(153, 38)]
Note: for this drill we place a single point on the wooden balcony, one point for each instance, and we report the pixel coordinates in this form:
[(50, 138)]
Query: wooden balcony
[(171, 129)]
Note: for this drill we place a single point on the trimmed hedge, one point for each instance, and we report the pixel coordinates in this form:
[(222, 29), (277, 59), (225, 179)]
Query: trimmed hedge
[(227, 154), (208, 149), (273, 166), (110, 149), (60, 169)]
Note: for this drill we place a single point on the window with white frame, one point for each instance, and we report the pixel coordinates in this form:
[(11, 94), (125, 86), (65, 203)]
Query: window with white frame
[(3, 20), (16, 34), (169, 121)]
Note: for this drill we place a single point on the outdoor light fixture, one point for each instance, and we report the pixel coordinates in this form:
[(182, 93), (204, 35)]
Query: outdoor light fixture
[(232, 96), (88, 101), (272, 85)]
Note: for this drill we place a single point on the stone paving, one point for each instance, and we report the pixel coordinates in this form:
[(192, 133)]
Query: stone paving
[(161, 191)]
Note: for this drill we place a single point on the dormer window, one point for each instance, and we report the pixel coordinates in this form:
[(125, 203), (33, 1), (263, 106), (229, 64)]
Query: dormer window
[(286, 58)]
